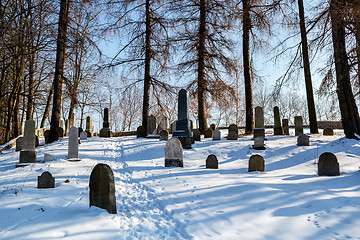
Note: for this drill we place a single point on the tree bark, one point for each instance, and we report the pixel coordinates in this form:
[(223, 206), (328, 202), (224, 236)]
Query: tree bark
[(348, 108), (47, 107), (147, 76), (307, 73), (201, 81), (59, 70), (249, 124)]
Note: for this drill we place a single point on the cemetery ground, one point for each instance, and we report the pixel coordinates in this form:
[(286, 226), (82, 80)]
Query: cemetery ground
[(287, 201)]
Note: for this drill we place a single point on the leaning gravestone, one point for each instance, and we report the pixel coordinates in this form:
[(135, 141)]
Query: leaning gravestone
[(140, 132), (196, 134), (216, 135), (303, 140), (328, 132), (328, 165), (102, 188), (259, 117), (73, 146), (299, 128), (256, 163), (212, 162), (89, 127), (19, 143), (46, 180), (212, 126), (83, 135), (277, 123), (151, 125), (208, 133), (164, 135), (233, 132), (285, 126), (105, 131), (27, 153), (259, 139), (173, 153)]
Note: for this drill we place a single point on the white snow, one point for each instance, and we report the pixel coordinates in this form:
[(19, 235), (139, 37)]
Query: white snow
[(287, 201)]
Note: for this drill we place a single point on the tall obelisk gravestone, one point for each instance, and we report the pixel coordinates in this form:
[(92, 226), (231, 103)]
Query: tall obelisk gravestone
[(183, 126), (27, 153), (105, 131)]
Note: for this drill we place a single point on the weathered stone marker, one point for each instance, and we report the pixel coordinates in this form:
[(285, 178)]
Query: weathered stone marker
[(212, 162), (233, 132), (163, 123), (164, 135), (60, 132), (328, 165), (48, 157), (212, 126), (27, 153), (83, 135), (303, 140), (105, 131), (102, 188), (73, 146), (256, 163), (285, 126), (259, 117), (299, 127), (259, 139), (173, 153), (89, 127), (216, 135), (208, 133), (151, 125), (328, 132), (196, 134), (46, 135), (140, 132), (19, 143), (277, 123), (46, 180)]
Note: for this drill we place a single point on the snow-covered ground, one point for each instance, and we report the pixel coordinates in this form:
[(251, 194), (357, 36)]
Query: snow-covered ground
[(287, 201)]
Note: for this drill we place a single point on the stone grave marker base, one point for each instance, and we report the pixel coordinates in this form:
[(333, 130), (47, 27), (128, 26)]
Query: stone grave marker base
[(174, 163)]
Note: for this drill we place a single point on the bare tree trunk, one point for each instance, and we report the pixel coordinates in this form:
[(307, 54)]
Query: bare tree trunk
[(147, 76), (201, 81), (47, 107), (249, 125), (348, 108), (307, 73), (59, 70)]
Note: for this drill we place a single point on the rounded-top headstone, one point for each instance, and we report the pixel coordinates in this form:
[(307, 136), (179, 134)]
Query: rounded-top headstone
[(328, 132), (216, 135), (328, 165), (208, 133), (173, 153), (256, 163), (303, 140), (102, 188), (140, 132), (196, 134), (46, 180), (164, 135), (233, 132), (212, 162), (83, 135)]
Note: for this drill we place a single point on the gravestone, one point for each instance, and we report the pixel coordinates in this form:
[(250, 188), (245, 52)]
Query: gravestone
[(212, 126), (216, 135), (173, 127), (299, 128), (183, 125), (196, 134), (208, 133), (102, 188), (164, 135), (259, 117), (73, 146), (60, 132), (173, 153), (80, 130), (328, 132), (19, 142), (233, 132), (256, 163), (303, 140), (105, 131), (328, 165), (259, 139), (277, 123), (46, 135), (48, 157), (212, 162), (140, 132), (163, 123), (36, 141), (46, 180), (83, 135), (27, 153), (73, 120), (67, 127), (151, 125), (285, 126), (89, 127)]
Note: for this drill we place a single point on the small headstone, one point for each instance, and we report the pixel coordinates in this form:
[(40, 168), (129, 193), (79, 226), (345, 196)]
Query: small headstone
[(212, 126), (60, 133), (328, 165), (277, 123), (164, 135), (19, 143), (328, 132), (285, 126), (48, 157), (233, 132), (46, 180), (46, 135), (27, 153), (151, 125), (212, 162), (299, 128), (216, 135), (259, 139), (259, 117), (208, 133), (256, 163), (303, 140), (83, 135), (80, 130), (102, 188), (196, 134), (173, 153), (140, 132), (73, 146)]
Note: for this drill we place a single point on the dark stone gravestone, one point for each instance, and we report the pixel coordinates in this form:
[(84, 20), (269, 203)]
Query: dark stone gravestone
[(303, 140), (164, 135), (208, 133), (140, 132), (27, 153), (328, 132), (173, 153), (299, 127), (328, 165), (105, 131), (259, 117), (256, 163), (19, 143), (285, 126), (60, 132), (277, 123), (89, 127), (212, 162), (46, 135), (259, 139), (102, 188), (80, 130), (212, 126), (46, 180), (233, 132), (151, 125), (196, 134)]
